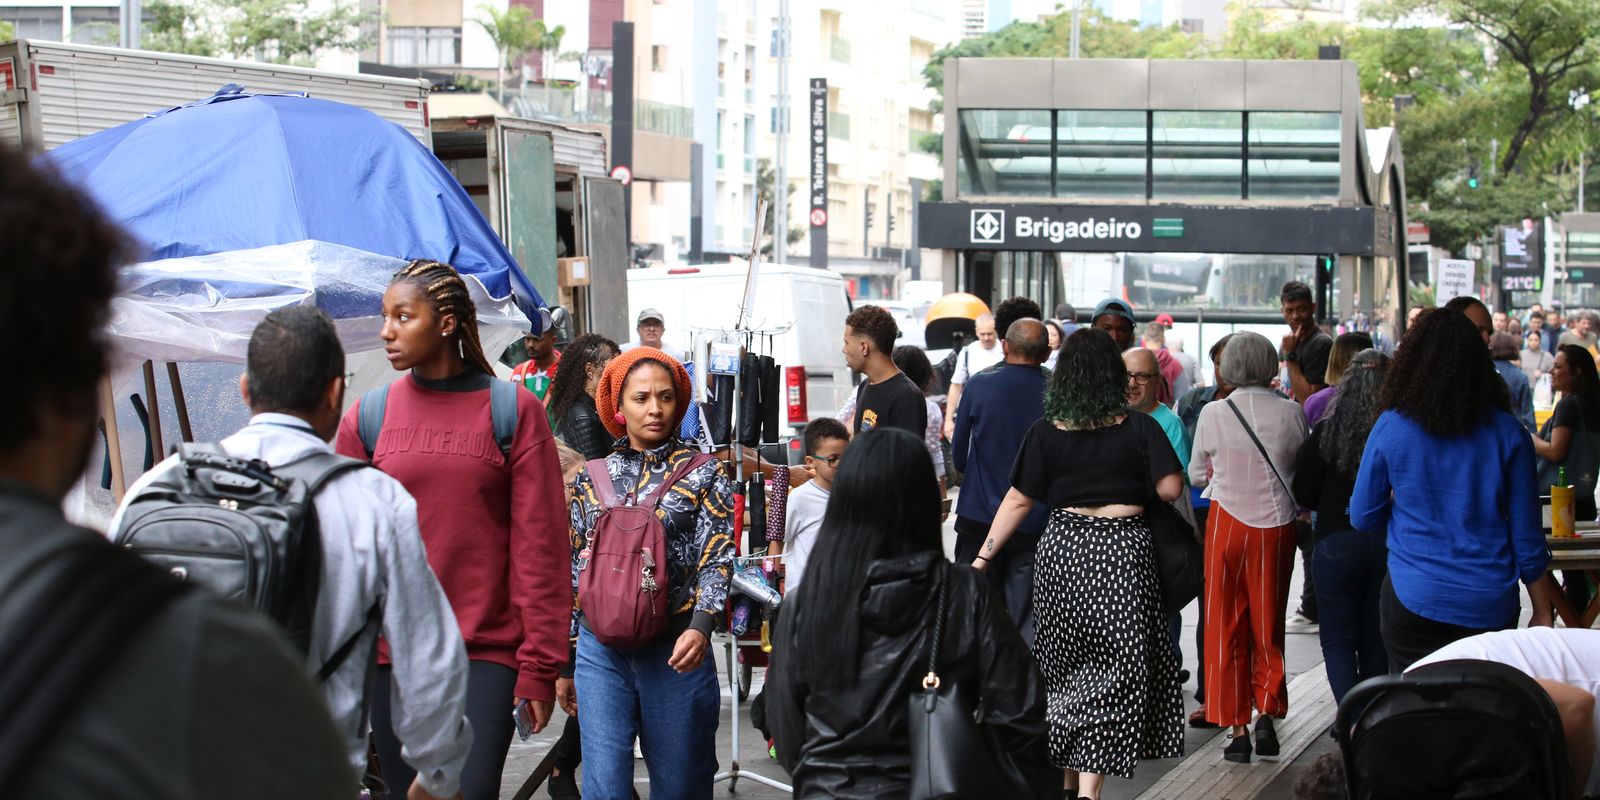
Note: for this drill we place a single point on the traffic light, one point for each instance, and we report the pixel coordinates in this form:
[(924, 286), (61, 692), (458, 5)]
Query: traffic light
[(1472, 177), (869, 216), (890, 219)]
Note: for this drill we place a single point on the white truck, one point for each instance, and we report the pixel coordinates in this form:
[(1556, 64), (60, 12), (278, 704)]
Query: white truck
[(54, 92)]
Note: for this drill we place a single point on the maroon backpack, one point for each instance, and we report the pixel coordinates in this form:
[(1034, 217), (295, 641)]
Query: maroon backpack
[(622, 571)]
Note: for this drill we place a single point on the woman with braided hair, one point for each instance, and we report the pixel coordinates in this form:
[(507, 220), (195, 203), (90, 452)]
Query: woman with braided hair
[(493, 518)]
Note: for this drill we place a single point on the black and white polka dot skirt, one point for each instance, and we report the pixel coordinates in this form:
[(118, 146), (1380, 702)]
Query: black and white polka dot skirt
[(1110, 674)]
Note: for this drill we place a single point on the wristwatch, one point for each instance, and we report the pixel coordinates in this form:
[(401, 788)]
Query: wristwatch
[(1291, 357)]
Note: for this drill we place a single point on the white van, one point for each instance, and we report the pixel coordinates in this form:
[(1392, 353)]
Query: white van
[(811, 303)]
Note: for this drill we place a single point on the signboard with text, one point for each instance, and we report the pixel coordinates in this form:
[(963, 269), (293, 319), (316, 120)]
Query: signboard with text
[(819, 173), (1455, 280)]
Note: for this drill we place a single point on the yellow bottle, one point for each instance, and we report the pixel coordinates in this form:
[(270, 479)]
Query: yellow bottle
[(1563, 508)]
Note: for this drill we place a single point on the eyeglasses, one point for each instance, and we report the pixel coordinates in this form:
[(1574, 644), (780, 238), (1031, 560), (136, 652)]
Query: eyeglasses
[(1141, 378), (832, 461)]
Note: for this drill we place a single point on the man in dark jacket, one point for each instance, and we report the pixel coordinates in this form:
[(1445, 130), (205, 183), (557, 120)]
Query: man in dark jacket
[(1000, 408), (199, 698)]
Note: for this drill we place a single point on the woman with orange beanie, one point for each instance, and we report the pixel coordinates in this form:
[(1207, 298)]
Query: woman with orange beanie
[(665, 692)]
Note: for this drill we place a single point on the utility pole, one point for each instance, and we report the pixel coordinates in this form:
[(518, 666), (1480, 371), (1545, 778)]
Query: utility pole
[(132, 16), (780, 183)]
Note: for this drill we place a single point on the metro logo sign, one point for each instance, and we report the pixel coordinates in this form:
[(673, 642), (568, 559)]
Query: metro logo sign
[(988, 225)]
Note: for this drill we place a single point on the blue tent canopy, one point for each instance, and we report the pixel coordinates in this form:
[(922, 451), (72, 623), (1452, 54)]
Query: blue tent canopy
[(239, 171)]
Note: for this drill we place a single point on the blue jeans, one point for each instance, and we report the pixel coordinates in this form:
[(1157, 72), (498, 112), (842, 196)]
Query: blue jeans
[(1350, 567), (626, 694)]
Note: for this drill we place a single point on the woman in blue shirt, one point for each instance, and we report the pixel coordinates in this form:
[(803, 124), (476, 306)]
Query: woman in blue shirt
[(1449, 473)]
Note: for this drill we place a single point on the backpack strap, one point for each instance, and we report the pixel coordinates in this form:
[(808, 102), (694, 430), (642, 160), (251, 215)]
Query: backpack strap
[(503, 414), (369, 422), (315, 470), (654, 494), (600, 479), (72, 631)]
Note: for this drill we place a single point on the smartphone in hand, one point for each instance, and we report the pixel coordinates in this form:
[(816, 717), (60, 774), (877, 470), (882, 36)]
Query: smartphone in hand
[(522, 714)]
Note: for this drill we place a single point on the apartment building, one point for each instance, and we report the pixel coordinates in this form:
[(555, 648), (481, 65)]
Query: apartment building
[(872, 56), (81, 21)]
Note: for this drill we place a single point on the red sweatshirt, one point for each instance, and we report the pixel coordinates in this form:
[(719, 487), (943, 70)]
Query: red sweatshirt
[(496, 534)]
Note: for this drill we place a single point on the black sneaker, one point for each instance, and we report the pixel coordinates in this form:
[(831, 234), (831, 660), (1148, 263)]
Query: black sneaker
[(1266, 738), (1238, 749), (564, 786)]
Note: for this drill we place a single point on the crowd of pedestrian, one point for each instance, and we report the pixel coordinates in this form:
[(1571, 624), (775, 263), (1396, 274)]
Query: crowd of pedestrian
[(486, 550)]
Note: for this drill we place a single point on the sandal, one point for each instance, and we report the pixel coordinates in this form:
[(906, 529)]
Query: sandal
[(1198, 719)]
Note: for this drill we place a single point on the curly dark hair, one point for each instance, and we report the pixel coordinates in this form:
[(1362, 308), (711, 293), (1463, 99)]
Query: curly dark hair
[(875, 323), (566, 386), (1012, 309), (1585, 381), (914, 363), (1089, 389), (62, 256), (1344, 430), (1442, 377)]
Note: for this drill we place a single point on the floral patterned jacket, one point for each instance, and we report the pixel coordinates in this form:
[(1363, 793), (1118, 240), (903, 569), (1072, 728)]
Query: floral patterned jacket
[(697, 513)]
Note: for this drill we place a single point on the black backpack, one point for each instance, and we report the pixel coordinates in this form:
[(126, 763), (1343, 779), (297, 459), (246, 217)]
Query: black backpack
[(242, 529)]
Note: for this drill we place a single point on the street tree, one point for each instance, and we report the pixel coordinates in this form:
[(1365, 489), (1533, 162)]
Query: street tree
[(1544, 51), (766, 178), (272, 31), (5, 31)]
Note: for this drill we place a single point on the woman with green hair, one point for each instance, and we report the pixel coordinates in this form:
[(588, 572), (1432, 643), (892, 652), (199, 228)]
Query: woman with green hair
[(1101, 640)]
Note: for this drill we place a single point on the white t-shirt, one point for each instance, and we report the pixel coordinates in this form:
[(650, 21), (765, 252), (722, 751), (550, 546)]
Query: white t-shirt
[(676, 354), (806, 506), (975, 359), (1569, 655)]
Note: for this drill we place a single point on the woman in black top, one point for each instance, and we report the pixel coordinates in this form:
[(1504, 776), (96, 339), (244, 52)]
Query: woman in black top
[(1578, 414), (572, 415), (1101, 638), (1349, 565), (852, 643)]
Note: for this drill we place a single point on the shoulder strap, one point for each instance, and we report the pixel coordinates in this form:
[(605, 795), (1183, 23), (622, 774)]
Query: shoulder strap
[(503, 414), (316, 469), (370, 417), (73, 631), (600, 478), (939, 609), (1262, 448), (338, 658), (689, 465)]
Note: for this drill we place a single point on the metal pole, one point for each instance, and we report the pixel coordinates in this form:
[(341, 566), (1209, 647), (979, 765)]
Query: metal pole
[(1076, 14), (1582, 166), (780, 184)]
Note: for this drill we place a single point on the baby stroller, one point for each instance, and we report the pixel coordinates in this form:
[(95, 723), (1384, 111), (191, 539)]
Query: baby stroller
[(1456, 729)]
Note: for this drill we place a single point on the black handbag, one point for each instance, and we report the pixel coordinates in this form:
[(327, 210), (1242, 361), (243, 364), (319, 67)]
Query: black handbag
[(1180, 563), (951, 755)]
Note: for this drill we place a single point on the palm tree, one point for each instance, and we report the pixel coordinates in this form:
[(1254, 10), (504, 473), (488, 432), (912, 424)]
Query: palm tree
[(545, 42), (515, 33)]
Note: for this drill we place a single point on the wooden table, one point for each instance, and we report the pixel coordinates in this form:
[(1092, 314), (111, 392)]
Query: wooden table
[(1580, 553)]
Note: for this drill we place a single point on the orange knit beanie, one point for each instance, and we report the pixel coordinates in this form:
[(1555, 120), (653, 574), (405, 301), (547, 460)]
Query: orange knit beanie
[(608, 395)]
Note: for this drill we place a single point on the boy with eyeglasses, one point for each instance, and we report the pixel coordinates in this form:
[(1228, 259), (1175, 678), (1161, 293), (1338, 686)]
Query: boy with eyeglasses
[(825, 441)]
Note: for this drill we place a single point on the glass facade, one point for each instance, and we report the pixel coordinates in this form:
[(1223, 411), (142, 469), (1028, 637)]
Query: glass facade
[(1005, 153), (1156, 155), (1231, 281), (1100, 154), (1196, 155), (1294, 154)]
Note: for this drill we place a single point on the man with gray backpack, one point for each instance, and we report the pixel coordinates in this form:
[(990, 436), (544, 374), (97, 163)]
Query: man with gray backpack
[(323, 544)]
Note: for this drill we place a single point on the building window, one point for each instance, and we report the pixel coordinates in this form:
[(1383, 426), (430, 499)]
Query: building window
[(658, 58), (1191, 25), (424, 47), (97, 25), (1100, 154), (1004, 153), (33, 22), (1294, 155), (1197, 154)]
